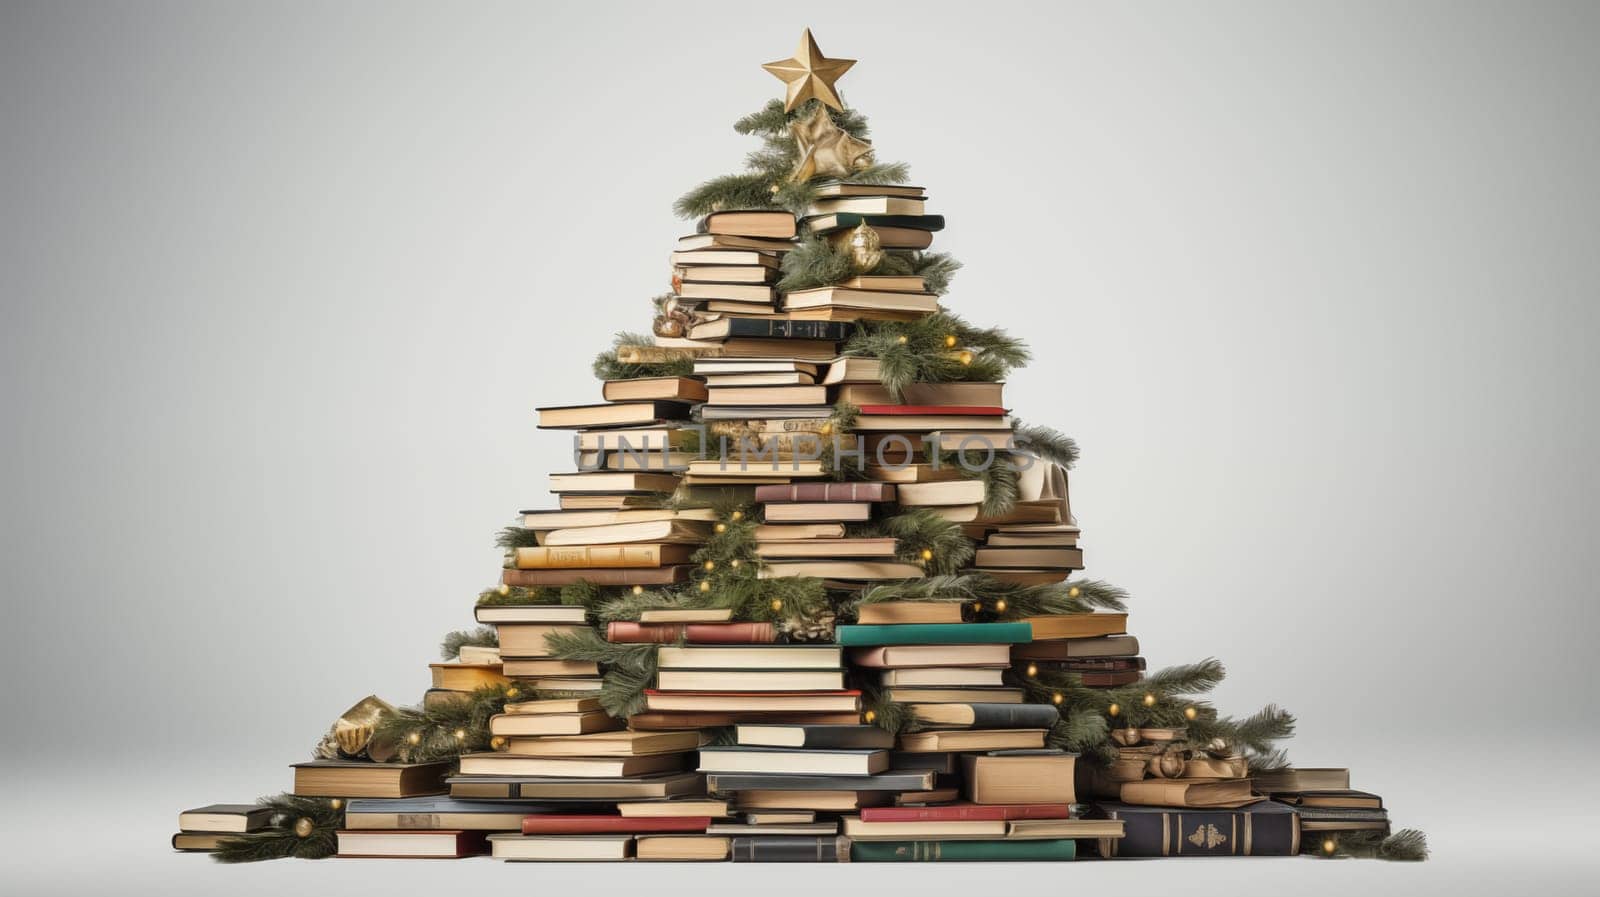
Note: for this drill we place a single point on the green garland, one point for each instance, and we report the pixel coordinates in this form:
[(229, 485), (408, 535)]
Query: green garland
[(923, 537), (444, 730), (939, 348), (609, 366), (816, 262), (453, 642), (997, 600), (303, 827)]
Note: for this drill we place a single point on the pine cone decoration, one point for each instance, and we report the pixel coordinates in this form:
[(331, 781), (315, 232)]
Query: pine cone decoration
[(800, 629)]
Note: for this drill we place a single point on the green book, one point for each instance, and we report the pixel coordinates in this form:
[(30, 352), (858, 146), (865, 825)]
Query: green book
[(962, 851), (935, 634)]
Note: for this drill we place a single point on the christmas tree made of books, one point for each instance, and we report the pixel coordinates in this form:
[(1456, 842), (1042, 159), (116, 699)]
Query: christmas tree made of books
[(808, 595)]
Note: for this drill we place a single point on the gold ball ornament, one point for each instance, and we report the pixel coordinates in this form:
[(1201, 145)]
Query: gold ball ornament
[(303, 827), (1033, 670), (777, 604), (736, 515), (497, 743), (965, 357), (1057, 698), (1329, 847), (1074, 592), (638, 590), (710, 565), (865, 248), (722, 527), (1127, 737), (337, 803), (927, 554), (669, 327), (1190, 713), (1113, 710), (1166, 766), (950, 341), (1149, 699), (705, 586), (870, 715), (504, 589)]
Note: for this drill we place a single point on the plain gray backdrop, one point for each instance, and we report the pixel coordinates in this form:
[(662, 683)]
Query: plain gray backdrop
[(1313, 284)]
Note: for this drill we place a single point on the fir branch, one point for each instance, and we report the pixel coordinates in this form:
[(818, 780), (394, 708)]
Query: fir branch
[(482, 636), (517, 596), (622, 688), (1078, 731), (514, 537), (590, 645), (1073, 597), (1259, 730), (748, 190), (936, 270), (608, 365), (916, 530), (1406, 845), (444, 730), (1186, 679), (921, 351), (887, 715), (814, 262), (1045, 442), (280, 839)]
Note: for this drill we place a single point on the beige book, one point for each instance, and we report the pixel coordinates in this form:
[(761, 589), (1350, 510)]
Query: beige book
[(898, 283), (972, 740), (755, 469), (818, 512), (479, 655), (687, 615), (846, 297), (852, 369), (508, 764), (1188, 793), (725, 274), (559, 848), (775, 532), (555, 705), (539, 667), (867, 205), (665, 530), (1056, 626), (944, 677), (822, 801), (958, 393), (652, 809), (509, 724), (768, 395), (749, 657), (750, 680), (897, 656), (1033, 557), (914, 473), (563, 557), (827, 548), (984, 433), (770, 378), (625, 743), (909, 612), (851, 570), (847, 188), (466, 677), (681, 847), (941, 830), (1018, 778), (613, 481), (527, 639), (665, 389), (618, 414)]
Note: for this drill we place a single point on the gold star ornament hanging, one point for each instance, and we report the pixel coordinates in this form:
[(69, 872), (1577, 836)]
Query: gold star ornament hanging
[(810, 75)]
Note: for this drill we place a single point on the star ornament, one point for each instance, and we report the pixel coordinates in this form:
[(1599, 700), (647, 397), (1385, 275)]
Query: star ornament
[(810, 75)]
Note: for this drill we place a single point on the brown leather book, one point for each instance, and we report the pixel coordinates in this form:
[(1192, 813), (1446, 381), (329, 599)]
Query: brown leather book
[(601, 577), (655, 720), (1186, 793), (693, 633), (826, 492), (566, 557)]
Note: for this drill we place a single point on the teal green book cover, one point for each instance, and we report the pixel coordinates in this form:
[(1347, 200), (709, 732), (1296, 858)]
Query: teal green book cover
[(935, 634), (963, 851)]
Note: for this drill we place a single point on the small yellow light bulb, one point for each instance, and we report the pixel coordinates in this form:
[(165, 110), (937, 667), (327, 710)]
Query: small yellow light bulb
[(337, 803), (1057, 698), (1074, 592), (734, 563), (870, 715), (722, 527), (414, 738), (1329, 847), (1113, 710), (1000, 606), (966, 357), (504, 589), (460, 734), (1190, 713), (777, 604), (927, 554), (705, 586), (638, 590), (1149, 699), (902, 340), (736, 515), (710, 565), (950, 341), (1033, 670)]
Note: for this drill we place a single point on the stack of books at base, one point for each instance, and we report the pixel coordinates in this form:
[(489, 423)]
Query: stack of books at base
[(804, 533), (1095, 647), (1324, 802), (202, 828)]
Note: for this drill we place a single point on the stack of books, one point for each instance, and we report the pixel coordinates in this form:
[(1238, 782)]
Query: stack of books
[(730, 263), (1323, 800), (1095, 647), (804, 532), (524, 653), (202, 828), (712, 685)]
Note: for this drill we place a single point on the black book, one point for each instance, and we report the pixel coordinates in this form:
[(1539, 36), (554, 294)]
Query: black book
[(915, 780), (774, 328), (791, 849), (815, 736), (1013, 716), (847, 220), (1267, 828), (945, 762)]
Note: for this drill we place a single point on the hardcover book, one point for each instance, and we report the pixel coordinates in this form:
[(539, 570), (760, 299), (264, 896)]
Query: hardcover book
[(935, 634), (1267, 828), (790, 849), (1058, 850), (354, 778), (422, 844)]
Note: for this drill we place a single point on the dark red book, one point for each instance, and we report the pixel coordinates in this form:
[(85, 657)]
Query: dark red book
[(966, 813), (964, 410), (659, 720), (844, 492), (656, 576), (595, 823), (693, 633)]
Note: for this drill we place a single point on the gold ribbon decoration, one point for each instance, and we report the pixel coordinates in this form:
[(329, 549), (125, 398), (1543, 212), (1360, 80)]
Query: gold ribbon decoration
[(826, 150), (1214, 768), (351, 735)]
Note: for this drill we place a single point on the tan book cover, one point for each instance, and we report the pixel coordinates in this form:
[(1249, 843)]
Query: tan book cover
[(561, 557), (1226, 794)]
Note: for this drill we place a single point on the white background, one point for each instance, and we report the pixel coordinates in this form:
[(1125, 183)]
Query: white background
[(1314, 286)]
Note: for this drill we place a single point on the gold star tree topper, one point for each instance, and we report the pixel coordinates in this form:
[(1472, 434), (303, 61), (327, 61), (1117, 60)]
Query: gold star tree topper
[(810, 74)]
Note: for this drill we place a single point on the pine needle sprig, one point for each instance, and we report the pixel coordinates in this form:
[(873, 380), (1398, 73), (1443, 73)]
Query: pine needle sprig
[(517, 596), (281, 839), (514, 537), (1406, 845), (482, 636), (918, 530), (608, 365), (1045, 442)]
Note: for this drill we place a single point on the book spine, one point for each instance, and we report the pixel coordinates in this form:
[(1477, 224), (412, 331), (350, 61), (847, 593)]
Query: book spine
[(597, 575), (962, 851), (565, 824), (542, 557), (934, 634), (826, 492), (624, 633), (730, 633), (966, 813), (957, 410), (1205, 833), (1013, 716), (766, 329), (760, 781), (795, 849)]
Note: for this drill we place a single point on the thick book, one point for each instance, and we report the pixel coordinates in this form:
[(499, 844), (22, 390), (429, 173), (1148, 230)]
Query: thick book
[(681, 848), (225, 818), (757, 295), (813, 736), (907, 780), (1201, 794), (738, 657), (712, 242), (766, 328), (770, 396), (621, 632), (1339, 799), (985, 716), (853, 570), (550, 557), (679, 679), (949, 492), (676, 807), (603, 744), (830, 549), (790, 849), (934, 634), (936, 395), (722, 759), (600, 823), (1302, 779), (1056, 626), (560, 848), (711, 719), (543, 667), (201, 841), (420, 844), (818, 512), (529, 613), (861, 299), (554, 706), (1072, 648), (1057, 850), (612, 481), (654, 389), (527, 724), (354, 778), (466, 676), (851, 188), (972, 740), (914, 655), (722, 256), (656, 531), (1031, 558), (637, 576), (830, 801), (741, 223), (826, 492), (1267, 828), (964, 695), (867, 205), (967, 812), (943, 677), (494, 763), (546, 788), (610, 414), (417, 813), (1021, 777), (833, 221), (883, 612), (821, 701), (528, 639)]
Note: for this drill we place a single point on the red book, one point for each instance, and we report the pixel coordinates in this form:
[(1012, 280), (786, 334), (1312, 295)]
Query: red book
[(847, 492), (966, 813), (694, 633), (966, 410), (608, 576), (594, 823)]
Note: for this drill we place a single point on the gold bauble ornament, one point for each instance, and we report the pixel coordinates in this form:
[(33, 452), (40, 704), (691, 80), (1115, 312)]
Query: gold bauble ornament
[(498, 743), (1127, 737), (777, 604), (1190, 713), (1166, 766), (863, 245), (736, 515), (337, 803), (722, 527), (950, 341), (965, 357), (1074, 592), (1149, 699), (809, 75), (1113, 710), (705, 586), (504, 589), (303, 827)]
